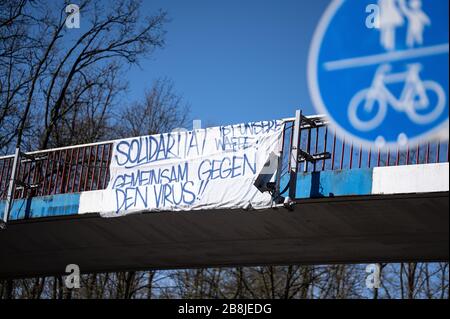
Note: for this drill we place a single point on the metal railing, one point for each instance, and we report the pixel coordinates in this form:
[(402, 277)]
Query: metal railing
[(345, 154), (81, 168), (57, 171)]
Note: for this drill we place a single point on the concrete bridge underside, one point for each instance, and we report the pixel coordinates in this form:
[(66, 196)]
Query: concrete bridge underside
[(358, 229)]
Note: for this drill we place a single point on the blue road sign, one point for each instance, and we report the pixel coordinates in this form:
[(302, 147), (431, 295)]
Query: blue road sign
[(379, 69)]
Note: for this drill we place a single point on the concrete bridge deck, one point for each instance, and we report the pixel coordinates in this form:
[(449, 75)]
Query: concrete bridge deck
[(388, 214)]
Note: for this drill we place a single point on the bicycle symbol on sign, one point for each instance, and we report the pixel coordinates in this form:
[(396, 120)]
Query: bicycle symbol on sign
[(414, 99)]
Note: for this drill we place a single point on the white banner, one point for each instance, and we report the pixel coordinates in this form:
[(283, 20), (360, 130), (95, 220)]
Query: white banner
[(208, 168)]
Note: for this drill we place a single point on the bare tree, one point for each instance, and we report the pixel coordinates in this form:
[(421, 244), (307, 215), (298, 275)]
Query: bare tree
[(48, 72), (161, 110)]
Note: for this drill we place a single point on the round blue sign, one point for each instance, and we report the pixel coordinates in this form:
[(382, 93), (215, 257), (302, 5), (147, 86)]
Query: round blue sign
[(379, 69)]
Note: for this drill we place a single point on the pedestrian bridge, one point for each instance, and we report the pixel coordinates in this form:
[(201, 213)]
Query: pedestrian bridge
[(352, 206)]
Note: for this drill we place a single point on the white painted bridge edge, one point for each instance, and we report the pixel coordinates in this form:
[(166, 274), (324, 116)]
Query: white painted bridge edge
[(422, 178)]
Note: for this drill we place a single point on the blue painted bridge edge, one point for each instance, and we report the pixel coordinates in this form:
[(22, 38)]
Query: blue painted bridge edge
[(332, 183), (309, 185), (45, 206)]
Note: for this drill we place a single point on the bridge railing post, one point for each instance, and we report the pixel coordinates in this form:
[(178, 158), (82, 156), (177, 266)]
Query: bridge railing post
[(279, 167), (11, 186), (293, 159)]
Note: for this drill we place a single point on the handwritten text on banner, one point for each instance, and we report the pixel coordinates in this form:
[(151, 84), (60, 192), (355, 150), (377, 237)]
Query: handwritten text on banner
[(209, 168)]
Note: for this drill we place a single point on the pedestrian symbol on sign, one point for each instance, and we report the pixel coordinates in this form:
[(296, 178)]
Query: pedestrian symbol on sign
[(392, 16), (384, 84)]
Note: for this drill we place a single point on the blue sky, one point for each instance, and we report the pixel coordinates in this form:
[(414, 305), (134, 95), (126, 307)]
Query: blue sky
[(234, 61)]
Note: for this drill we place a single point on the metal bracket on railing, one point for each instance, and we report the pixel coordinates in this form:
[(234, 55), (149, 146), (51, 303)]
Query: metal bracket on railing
[(297, 155), (306, 157), (312, 122), (26, 158), (11, 188), (22, 185)]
